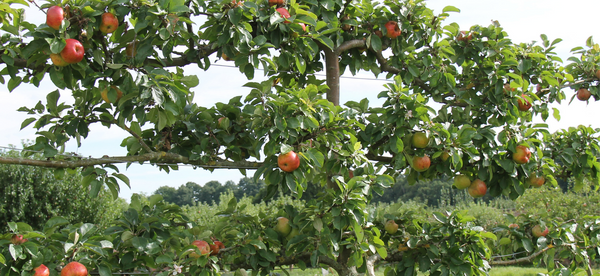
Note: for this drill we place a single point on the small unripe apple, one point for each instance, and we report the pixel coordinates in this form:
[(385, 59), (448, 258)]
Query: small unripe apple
[(54, 17), (283, 226), (104, 94), (131, 49), (477, 188), (420, 140), (513, 225), (462, 182), (536, 181), (445, 155), (391, 227)]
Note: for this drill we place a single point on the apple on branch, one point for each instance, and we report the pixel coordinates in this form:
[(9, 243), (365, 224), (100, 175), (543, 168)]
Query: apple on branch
[(74, 269), (521, 155), (393, 30), (391, 227), (421, 163), (17, 239), (203, 246), (477, 188), (73, 51), (109, 23), (523, 103), (420, 140), (583, 94), (54, 17), (537, 231), (283, 226), (462, 182), (288, 162), (41, 270)]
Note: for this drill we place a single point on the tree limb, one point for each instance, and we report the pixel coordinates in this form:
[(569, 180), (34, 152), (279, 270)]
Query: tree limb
[(154, 157)]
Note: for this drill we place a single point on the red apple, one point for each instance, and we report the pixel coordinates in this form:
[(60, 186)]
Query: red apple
[(109, 23), (391, 227), (284, 13), (275, 2), (583, 94), (73, 51), (393, 30), (598, 74), (215, 247), (462, 182), (421, 163), (462, 36), (303, 26), (41, 270), (203, 246), (524, 104), (283, 226), (58, 60), (17, 239), (288, 162), (477, 188), (537, 231), (522, 155), (378, 33), (54, 17), (536, 181), (513, 225), (74, 269), (420, 140)]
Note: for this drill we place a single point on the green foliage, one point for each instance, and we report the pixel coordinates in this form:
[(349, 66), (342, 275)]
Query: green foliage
[(33, 195)]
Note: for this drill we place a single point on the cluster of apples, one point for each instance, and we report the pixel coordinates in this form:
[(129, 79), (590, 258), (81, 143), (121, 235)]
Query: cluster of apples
[(206, 248), (476, 188), (420, 163), (71, 269), (73, 51)]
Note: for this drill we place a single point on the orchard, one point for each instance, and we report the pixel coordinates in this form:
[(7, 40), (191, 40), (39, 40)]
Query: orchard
[(462, 104)]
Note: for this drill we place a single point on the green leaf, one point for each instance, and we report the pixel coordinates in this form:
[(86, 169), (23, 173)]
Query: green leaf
[(26, 122), (451, 9), (527, 244), (104, 270)]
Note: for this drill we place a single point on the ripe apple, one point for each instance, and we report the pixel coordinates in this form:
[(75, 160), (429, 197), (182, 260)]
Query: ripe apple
[(17, 239), (513, 225), (54, 17), (462, 182), (215, 247), (288, 162), (522, 155), (445, 155), (598, 74), (378, 33), (524, 104), (462, 36), (536, 181), (420, 140), (109, 23), (73, 51), (41, 270), (104, 93), (537, 231), (393, 30), (74, 269), (583, 94), (477, 188), (275, 2), (421, 163), (391, 227), (58, 60), (283, 226), (285, 14), (202, 246)]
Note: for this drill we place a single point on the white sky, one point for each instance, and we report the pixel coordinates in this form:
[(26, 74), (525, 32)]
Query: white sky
[(524, 20)]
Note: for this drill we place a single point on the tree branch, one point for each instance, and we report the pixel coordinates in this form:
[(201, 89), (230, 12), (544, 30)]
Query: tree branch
[(351, 44), (155, 157), (520, 260)]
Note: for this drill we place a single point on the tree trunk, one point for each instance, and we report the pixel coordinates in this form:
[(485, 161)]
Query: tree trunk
[(332, 69)]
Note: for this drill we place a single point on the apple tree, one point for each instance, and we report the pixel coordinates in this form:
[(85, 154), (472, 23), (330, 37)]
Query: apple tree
[(462, 102)]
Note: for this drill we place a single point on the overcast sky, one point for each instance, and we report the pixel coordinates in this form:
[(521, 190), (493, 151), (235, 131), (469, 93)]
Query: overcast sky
[(524, 20)]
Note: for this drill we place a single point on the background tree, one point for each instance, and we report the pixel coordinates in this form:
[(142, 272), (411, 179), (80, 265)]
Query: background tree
[(33, 195)]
